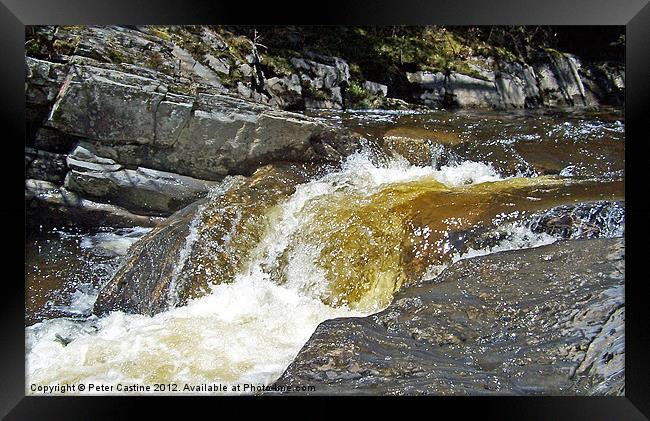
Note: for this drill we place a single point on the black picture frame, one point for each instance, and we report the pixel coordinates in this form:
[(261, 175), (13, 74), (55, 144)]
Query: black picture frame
[(633, 14)]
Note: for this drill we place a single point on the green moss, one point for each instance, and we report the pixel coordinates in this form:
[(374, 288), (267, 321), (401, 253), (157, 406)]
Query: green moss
[(66, 46), (355, 72), (356, 96), (278, 65), (115, 55), (230, 80), (182, 90), (160, 32)]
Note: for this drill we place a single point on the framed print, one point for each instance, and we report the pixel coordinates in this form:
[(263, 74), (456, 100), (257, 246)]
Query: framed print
[(388, 200)]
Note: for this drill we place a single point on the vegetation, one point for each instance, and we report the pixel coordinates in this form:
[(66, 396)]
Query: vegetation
[(382, 54)]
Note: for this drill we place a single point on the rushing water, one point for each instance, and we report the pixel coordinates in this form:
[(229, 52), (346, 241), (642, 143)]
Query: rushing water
[(338, 245)]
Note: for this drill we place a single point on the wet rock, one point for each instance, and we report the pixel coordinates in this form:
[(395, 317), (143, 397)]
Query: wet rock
[(585, 220), (507, 323), (140, 190), (421, 146), (55, 206), (199, 245), (141, 284), (135, 121)]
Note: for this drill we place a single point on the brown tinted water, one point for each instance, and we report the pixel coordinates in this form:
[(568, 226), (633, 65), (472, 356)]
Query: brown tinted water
[(278, 253)]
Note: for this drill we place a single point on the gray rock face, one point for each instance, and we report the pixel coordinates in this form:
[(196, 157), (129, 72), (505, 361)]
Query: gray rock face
[(285, 92), (324, 75), (556, 80), (142, 190), (375, 88), (548, 320), (197, 71), (135, 121), (498, 89), (44, 80), (560, 81)]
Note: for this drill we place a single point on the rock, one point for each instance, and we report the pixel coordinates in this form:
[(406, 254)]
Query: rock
[(320, 104), (555, 79), (455, 89), (375, 88), (143, 287), (136, 122), (553, 326), (560, 82), (420, 146), (604, 83), (584, 220), (44, 80), (285, 92), (57, 206), (199, 245), (194, 69), (52, 140), (517, 85), (213, 40), (219, 65), (246, 69), (467, 91), (141, 190), (43, 165), (324, 75)]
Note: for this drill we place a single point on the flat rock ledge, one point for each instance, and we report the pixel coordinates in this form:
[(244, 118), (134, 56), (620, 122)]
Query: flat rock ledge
[(542, 321)]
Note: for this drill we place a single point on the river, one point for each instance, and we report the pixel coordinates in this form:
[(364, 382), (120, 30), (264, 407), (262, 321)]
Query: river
[(425, 190)]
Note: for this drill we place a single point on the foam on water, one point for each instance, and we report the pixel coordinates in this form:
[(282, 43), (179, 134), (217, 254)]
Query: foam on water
[(244, 332), (115, 242)]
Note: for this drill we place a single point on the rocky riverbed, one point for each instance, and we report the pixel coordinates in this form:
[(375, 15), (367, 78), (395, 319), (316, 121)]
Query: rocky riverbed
[(190, 225), (549, 320)]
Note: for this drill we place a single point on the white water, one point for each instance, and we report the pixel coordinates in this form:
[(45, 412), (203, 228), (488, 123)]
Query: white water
[(247, 331)]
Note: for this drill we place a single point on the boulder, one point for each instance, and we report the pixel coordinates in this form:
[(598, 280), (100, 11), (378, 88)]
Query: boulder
[(202, 244), (541, 321), (135, 121), (141, 190), (285, 92), (375, 88), (583, 220), (323, 76), (455, 89), (44, 79), (560, 81)]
